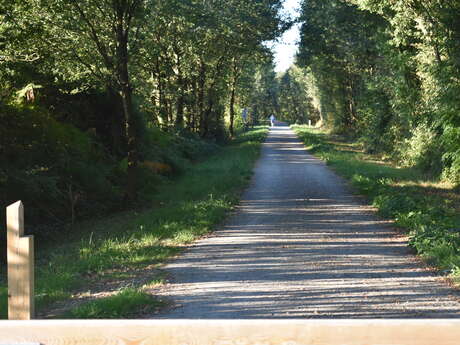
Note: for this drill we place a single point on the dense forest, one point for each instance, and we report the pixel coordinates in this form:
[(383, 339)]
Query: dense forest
[(387, 73), (100, 99)]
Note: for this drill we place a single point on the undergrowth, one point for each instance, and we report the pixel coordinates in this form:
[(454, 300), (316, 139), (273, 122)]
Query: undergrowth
[(181, 211), (427, 209)]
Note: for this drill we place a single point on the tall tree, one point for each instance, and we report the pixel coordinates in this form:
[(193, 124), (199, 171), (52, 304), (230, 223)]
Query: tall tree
[(99, 39)]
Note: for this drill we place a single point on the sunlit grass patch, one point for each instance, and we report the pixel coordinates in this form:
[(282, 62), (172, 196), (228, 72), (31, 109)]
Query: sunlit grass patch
[(127, 303), (160, 279)]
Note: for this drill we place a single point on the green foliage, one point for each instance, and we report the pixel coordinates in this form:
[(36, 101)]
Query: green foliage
[(54, 168), (264, 97), (126, 303), (451, 156), (209, 53), (422, 150), (386, 74), (178, 149), (399, 194), (296, 97), (63, 174), (21, 94), (256, 135)]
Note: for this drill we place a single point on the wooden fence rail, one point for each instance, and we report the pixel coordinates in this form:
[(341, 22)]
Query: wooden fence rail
[(231, 332)]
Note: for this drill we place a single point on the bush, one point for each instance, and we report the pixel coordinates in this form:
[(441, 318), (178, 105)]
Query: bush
[(58, 171), (178, 150), (451, 158), (63, 174), (422, 150)]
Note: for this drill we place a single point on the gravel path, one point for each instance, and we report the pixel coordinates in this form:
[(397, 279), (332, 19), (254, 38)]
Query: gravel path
[(301, 246)]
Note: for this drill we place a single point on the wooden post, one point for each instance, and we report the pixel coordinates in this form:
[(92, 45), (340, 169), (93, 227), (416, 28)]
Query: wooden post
[(20, 265)]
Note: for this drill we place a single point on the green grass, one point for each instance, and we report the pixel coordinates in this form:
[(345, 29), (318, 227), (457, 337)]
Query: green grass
[(127, 303), (182, 210), (427, 208)]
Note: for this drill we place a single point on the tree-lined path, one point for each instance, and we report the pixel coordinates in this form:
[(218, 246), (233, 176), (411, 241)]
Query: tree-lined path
[(301, 246)]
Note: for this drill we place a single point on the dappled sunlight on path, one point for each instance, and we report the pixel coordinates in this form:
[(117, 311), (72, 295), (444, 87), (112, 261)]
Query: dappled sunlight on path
[(301, 246)]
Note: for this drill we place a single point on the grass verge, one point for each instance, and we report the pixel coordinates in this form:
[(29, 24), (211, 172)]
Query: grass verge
[(428, 209), (126, 303), (182, 210)]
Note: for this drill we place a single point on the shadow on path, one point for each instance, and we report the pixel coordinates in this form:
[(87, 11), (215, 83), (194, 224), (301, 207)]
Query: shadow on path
[(301, 246)]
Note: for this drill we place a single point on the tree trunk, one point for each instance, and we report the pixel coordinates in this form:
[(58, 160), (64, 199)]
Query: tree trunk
[(201, 86), (179, 123), (352, 103), (232, 99), (130, 121), (131, 138), (232, 112), (207, 115), (117, 124), (193, 106), (162, 105)]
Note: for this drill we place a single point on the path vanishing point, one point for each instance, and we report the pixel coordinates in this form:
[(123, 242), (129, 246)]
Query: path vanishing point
[(300, 245)]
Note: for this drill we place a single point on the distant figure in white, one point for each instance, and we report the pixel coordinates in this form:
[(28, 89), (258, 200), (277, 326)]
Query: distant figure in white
[(272, 120), (244, 115)]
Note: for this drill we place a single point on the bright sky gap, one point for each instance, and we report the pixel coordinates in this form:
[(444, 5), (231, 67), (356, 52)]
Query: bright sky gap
[(286, 48)]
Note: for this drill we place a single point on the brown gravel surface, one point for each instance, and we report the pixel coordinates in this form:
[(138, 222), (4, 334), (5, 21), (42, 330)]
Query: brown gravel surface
[(300, 245)]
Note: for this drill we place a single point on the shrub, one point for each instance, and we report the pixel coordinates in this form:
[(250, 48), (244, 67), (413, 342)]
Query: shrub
[(422, 150), (451, 158), (57, 170)]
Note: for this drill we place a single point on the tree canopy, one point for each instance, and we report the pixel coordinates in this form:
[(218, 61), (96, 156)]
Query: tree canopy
[(386, 73), (91, 90)]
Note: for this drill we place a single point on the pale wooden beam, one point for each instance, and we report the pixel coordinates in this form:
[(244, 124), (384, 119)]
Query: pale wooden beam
[(232, 332), (20, 256)]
